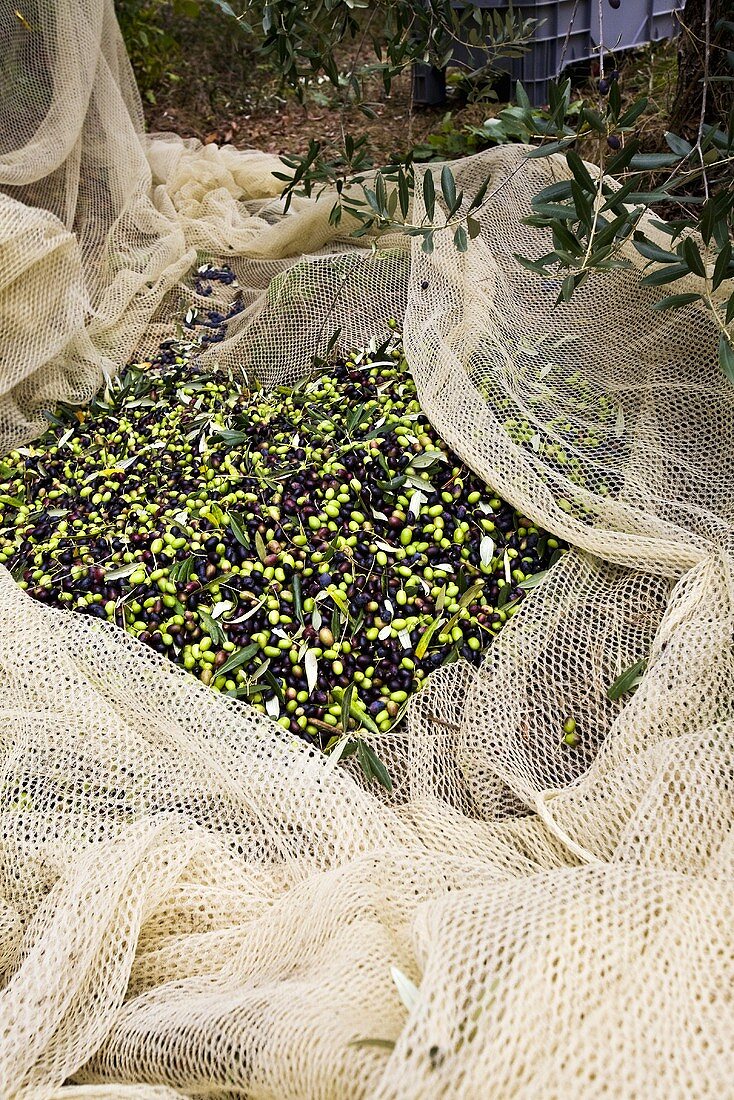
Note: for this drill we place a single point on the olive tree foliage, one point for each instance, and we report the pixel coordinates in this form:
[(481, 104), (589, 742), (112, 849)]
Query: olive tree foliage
[(383, 38), (592, 215)]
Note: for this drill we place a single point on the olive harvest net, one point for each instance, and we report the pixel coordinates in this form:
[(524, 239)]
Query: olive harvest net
[(194, 904)]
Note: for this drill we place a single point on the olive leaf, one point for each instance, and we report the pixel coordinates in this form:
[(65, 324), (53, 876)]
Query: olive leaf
[(425, 638), (372, 766), (180, 571), (448, 187), (628, 680), (236, 526), (726, 356), (262, 552), (240, 658), (297, 597), (429, 198), (486, 550), (346, 705), (212, 627), (675, 301), (122, 572)]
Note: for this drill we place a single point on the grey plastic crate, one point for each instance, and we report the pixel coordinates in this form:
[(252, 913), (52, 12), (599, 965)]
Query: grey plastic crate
[(429, 85), (633, 23)]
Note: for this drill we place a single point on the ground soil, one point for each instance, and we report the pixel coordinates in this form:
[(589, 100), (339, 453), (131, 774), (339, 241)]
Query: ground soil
[(280, 124)]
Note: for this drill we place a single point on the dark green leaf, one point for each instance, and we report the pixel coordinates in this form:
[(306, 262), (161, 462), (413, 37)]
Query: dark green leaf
[(381, 193), (232, 438), (693, 257), (726, 356), (552, 147), (565, 239), (333, 340), (522, 97), (238, 659), (615, 100), (708, 219), (627, 681), (583, 203), (429, 197), (372, 767), (721, 231), (448, 187), (373, 201), (181, 571), (555, 191), (531, 265), (647, 198), (504, 595), (276, 685), (645, 162), (580, 172), (620, 160), (633, 113), (620, 196), (238, 530), (722, 265), (666, 275), (297, 597), (481, 193), (619, 226), (652, 252), (674, 301), (567, 288), (554, 210), (403, 193), (594, 120)]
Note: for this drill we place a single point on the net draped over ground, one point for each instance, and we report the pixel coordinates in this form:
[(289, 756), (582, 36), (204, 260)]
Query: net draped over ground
[(193, 904)]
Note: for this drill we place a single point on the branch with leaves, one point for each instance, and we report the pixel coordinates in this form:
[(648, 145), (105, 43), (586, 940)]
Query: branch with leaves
[(592, 218)]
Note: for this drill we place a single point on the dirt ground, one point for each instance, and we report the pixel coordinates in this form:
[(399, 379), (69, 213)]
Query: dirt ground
[(282, 125)]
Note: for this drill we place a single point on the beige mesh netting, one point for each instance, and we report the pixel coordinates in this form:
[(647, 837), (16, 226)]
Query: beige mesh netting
[(191, 904)]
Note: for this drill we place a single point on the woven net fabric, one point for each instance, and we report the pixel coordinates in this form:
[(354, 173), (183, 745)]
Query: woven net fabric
[(194, 904)]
